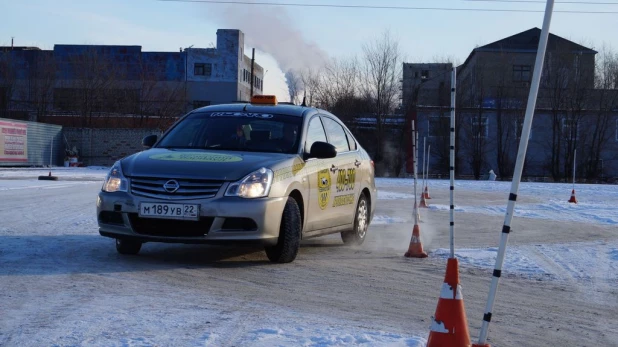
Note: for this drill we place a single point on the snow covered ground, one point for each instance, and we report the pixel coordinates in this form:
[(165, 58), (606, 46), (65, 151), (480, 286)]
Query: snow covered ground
[(79, 292), (583, 262)]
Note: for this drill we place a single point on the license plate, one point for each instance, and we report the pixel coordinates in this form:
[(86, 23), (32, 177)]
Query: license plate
[(169, 211)]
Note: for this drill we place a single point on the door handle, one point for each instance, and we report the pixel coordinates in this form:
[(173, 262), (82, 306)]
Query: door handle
[(357, 163)]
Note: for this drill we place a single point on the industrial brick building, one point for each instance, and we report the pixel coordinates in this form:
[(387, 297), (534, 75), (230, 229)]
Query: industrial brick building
[(123, 86)]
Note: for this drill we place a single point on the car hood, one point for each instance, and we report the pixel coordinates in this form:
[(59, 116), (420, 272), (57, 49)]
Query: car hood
[(199, 164)]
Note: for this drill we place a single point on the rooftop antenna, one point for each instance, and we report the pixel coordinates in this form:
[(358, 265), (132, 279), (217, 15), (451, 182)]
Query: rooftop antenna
[(12, 37)]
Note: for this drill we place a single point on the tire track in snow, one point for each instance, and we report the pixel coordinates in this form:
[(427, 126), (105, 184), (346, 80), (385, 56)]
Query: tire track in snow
[(588, 266)]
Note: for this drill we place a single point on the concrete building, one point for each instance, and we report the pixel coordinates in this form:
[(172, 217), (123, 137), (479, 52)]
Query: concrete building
[(503, 69), (426, 84), (88, 81), (572, 112)]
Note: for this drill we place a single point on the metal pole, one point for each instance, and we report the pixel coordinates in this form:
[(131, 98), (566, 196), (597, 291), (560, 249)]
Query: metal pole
[(519, 164), (424, 168), (452, 159), (427, 166), (414, 139), (252, 69), (574, 157), (51, 152)]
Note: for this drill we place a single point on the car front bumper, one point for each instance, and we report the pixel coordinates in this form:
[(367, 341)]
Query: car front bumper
[(222, 220)]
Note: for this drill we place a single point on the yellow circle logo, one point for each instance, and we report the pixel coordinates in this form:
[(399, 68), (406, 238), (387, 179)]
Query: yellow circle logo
[(324, 185), (197, 156)]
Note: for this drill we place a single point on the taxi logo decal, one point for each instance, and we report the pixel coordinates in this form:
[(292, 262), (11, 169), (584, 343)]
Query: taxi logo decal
[(242, 114), (323, 188), (197, 156)]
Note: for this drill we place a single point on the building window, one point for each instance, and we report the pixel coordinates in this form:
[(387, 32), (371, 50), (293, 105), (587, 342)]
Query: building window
[(480, 126), (521, 73), (616, 129), (202, 69), (570, 128), (519, 126), (424, 74), (200, 103), (439, 126)]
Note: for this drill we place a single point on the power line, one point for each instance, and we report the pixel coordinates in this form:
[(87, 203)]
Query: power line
[(375, 7), (542, 2)]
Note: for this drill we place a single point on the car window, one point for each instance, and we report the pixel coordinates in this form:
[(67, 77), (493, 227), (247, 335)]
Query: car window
[(351, 141), (315, 132), (336, 135), (236, 131), (186, 135)]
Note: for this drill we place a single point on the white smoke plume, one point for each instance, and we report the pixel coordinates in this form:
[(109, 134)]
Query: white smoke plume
[(272, 31)]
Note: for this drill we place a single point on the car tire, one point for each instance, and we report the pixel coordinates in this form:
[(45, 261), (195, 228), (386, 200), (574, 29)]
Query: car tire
[(287, 246), (357, 235), (128, 247)]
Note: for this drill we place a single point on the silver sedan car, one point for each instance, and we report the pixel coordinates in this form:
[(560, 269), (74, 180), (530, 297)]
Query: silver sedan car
[(259, 172)]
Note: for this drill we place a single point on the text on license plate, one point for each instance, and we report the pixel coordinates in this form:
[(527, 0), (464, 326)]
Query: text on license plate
[(173, 211)]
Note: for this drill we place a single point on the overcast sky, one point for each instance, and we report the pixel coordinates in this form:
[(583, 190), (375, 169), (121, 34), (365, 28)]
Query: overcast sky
[(289, 36)]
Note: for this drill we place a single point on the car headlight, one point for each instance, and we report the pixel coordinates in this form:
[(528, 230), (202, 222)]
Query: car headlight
[(254, 185), (115, 180)]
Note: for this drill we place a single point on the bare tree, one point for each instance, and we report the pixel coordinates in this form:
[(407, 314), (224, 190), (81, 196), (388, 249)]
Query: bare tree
[(7, 81), (94, 85), (475, 121), (41, 81), (165, 100), (568, 85), (381, 70), (556, 80), (509, 108), (603, 102)]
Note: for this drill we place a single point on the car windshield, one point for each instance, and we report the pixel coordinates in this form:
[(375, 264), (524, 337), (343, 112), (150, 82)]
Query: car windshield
[(236, 131)]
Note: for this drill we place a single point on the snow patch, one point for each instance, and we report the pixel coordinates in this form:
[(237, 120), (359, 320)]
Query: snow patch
[(381, 220)]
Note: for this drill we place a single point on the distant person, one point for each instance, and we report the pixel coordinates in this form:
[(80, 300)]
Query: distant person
[(492, 176), (238, 138)]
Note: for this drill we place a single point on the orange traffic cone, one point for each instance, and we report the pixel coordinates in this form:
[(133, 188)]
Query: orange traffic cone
[(423, 202), (426, 193), (415, 249), (450, 325), (573, 199)]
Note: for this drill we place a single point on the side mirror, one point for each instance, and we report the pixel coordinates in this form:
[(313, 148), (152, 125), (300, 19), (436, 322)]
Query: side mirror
[(322, 150), (149, 141)]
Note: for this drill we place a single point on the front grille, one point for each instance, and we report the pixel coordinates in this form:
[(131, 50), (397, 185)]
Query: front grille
[(189, 188), (169, 227)]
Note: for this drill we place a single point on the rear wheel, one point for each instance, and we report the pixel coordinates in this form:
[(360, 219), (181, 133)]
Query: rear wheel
[(287, 246), (357, 235), (128, 246)]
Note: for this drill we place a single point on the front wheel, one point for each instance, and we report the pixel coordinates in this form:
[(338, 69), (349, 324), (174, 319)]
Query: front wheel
[(128, 246), (357, 235), (287, 246)]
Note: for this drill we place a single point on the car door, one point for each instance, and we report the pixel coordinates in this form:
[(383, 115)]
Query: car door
[(320, 214), (345, 190)]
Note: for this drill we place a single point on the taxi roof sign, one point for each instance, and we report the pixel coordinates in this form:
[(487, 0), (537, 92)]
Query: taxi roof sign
[(264, 99)]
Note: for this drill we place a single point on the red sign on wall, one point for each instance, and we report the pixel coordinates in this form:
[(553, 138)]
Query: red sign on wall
[(13, 142)]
